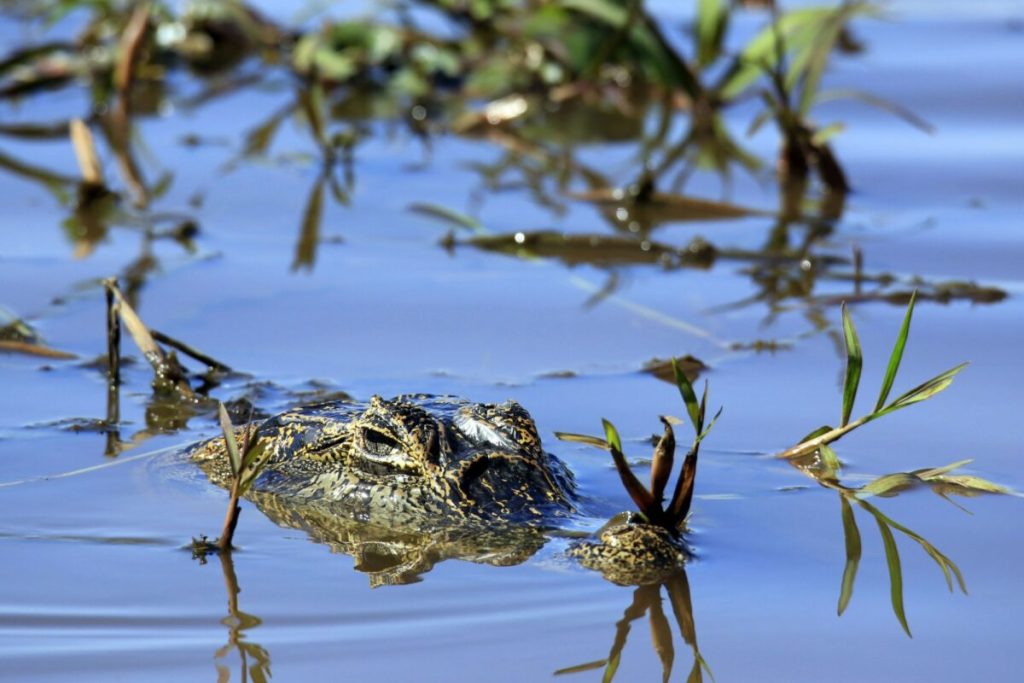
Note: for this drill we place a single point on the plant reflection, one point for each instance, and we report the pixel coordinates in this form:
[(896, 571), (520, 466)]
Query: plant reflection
[(648, 600), (253, 659)]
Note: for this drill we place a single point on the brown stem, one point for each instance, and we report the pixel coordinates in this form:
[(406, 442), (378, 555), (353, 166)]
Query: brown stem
[(227, 533), (113, 370), (189, 351)]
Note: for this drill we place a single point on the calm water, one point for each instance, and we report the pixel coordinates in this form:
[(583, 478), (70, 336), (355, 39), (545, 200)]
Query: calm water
[(94, 582)]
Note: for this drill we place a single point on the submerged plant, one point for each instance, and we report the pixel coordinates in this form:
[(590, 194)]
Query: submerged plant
[(651, 502)]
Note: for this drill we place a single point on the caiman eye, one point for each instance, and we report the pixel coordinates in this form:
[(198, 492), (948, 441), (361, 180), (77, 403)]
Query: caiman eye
[(378, 443)]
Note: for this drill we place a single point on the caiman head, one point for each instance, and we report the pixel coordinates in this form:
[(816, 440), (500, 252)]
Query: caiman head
[(411, 461), (482, 459)]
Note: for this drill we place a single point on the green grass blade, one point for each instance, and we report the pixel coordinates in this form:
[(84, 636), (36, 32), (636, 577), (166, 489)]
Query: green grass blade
[(613, 666), (580, 668), (897, 354), (923, 391), (854, 361), (689, 396), (229, 439), (971, 482), (932, 472), (611, 435), (824, 429), (888, 483), (700, 437), (712, 19), (450, 216), (853, 550), (892, 558)]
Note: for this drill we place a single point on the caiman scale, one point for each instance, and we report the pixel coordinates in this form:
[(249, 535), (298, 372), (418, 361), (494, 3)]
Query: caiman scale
[(404, 483)]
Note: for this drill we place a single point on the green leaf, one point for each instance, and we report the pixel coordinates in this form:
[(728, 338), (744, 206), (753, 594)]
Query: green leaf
[(887, 484), (700, 437), (229, 439), (611, 435), (853, 550), (309, 235), (854, 361), (824, 429), (932, 472), (611, 13), (972, 482), (712, 20), (760, 53), (923, 391), (689, 397), (823, 135), (829, 459), (579, 668), (594, 441), (459, 220), (879, 102), (897, 354), (613, 666), (892, 558)]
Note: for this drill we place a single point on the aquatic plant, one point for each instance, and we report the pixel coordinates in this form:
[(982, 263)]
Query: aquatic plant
[(246, 460), (651, 502)]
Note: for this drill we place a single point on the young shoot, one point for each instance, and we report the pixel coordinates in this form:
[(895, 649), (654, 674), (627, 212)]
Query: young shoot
[(651, 501)]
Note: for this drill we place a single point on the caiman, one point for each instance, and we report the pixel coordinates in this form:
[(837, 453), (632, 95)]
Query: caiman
[(402, 484)]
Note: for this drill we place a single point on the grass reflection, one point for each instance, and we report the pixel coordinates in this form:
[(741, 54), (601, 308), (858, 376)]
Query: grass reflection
[(253, 659), (648, 600)]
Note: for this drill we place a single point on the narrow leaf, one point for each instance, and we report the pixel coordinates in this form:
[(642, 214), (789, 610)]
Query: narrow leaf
[(923, 391), (892, 558), (853, 550), (661, 463), (887, 484), (829, 459), (880, 102), (611, 435), (897, 354), (933, 472), (229, 439), (689, 397), (594, 441), (640, 495), (613, 666), (579, 668), (700, 437), (459, 220), (85, 152), (823, 135), (854, 360), (682, 497), (968, 481), (824, 429)]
